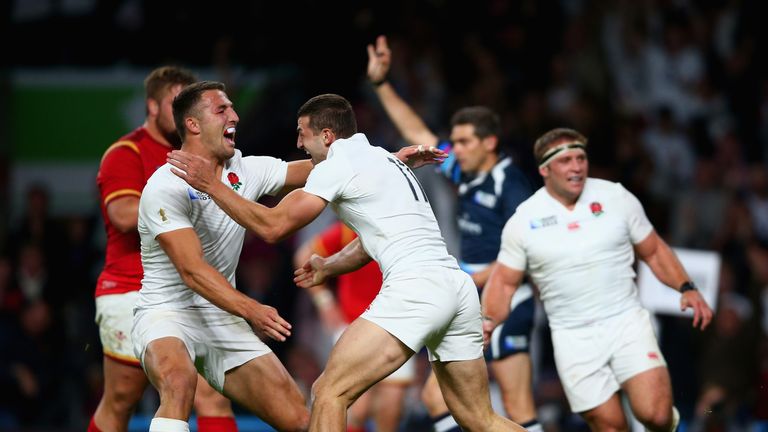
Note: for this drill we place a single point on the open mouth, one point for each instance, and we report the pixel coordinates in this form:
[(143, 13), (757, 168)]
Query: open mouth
[(229, 135)]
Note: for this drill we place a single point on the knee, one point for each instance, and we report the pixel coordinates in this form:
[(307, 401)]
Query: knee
[(299, 422), (324, 391), (656, 420), (210, 403), (607, 423), (177, 386)]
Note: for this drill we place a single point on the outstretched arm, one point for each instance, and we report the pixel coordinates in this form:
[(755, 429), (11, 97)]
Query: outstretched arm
[(183, 248), (318, 269), (410, 125), (668, 269)]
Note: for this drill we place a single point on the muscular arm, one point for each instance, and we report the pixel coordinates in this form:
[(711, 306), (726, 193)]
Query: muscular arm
[(667, 268), (410, 125), (123, 213), (297, 174), (293, 212), (183, 248), (318, 269), (498, 292), (480, 278)]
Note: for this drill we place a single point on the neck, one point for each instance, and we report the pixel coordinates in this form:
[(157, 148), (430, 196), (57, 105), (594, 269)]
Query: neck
[(154, 132), (566, 200), (489, 163)]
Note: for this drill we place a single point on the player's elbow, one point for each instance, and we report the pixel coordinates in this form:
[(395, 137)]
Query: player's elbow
[(273, 235)]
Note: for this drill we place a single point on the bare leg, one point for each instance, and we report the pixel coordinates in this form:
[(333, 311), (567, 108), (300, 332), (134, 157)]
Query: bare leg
[(433, 397), (513, 374), (264, 387), (364, 355), (607, 417), (388, 405), (650, 396), (171, 371), (465, 388), (123, 388)]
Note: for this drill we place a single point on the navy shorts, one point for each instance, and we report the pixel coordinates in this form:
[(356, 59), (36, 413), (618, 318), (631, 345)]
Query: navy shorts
[(514, 335)]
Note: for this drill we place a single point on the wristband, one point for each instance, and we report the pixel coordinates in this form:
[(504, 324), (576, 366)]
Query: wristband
[(322, 299), (687, 286)]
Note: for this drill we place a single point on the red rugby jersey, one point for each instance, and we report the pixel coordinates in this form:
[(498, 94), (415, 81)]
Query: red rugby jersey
[(125, 168), (355, 290)]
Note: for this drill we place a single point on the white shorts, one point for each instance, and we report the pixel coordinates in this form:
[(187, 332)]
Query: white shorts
[(216, 341), (114, 316), (438, 308), (594, 360), (405, 373)]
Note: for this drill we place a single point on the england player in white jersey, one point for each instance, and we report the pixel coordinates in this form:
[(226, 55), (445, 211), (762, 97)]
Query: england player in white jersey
[(577, 237), (189, 315), (426, 300)]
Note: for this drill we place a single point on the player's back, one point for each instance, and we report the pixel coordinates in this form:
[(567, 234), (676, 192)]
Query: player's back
[(380, 198)]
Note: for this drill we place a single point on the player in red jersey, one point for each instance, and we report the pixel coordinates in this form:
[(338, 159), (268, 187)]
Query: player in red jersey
[(125, 168), (354, 292)]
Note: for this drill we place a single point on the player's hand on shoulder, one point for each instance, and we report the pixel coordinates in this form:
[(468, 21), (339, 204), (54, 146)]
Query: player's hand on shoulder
[(267, 323), (311, 273), (199, 172), (416, 156)]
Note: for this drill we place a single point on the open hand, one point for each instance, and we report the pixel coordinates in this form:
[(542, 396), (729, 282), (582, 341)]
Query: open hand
[(266, 322), (311, 273), (200, 173), (416, 156), (379, 59)]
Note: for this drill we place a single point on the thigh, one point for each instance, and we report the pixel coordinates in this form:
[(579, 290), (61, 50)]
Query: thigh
[(167, 363), (263, 386), (363, 356), (513, 374), (649, 392)]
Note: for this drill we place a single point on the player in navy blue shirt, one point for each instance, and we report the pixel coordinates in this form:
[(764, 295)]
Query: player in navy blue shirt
[(489, 188)]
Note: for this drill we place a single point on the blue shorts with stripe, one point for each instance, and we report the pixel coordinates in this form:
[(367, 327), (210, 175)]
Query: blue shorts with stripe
[(514, 335)]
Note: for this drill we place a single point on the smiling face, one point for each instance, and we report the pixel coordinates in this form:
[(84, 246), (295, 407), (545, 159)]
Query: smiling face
[(217, 124), (473, 153), (565, 174), (316, 145)]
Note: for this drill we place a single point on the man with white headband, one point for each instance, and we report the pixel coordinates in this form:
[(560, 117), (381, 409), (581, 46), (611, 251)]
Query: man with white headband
[(577, 238)]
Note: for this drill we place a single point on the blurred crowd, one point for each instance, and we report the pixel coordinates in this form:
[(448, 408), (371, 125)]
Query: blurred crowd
[(670, 93)]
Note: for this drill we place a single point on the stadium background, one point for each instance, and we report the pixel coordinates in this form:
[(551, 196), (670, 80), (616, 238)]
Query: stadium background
[(671, 93)]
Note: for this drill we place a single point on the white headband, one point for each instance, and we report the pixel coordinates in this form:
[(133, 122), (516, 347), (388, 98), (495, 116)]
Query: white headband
[(562, 148)]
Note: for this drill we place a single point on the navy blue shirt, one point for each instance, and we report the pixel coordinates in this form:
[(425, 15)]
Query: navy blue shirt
[(486, 201)]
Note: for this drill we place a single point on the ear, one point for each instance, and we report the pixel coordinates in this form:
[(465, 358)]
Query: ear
[(544, 171), (153, 108), (491, 142), (328, 136), (192, 125)]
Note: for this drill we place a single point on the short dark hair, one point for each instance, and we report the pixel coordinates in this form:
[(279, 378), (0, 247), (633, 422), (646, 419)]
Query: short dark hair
[(553, 137), (485, 121), (166, 76), (330, 111), (186, 101)]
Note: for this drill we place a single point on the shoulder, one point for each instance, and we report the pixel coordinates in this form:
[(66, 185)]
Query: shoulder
[(163, 181), (604, 188)]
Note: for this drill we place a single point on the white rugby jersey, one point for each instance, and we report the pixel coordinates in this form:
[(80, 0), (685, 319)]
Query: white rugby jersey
[(382, 201), (581, 259), (168, 203)]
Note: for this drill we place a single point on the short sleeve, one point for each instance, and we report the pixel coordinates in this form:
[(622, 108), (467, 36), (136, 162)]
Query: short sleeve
[(637, 222), (329, 179), (512, 252), (164, 208), (121, 172), (267, 172)]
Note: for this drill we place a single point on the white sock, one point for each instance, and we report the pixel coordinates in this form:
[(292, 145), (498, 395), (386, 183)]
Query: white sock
[(675, 419), (160, 424)]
